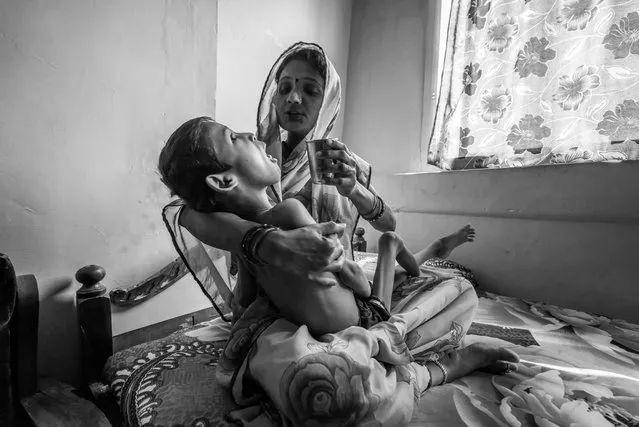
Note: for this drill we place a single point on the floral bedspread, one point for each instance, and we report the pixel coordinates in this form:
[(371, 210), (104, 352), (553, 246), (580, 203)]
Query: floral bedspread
[(577, 369)]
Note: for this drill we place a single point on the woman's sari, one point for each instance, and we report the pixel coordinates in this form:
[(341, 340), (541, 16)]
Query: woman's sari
[(278, 372), (323, 201)]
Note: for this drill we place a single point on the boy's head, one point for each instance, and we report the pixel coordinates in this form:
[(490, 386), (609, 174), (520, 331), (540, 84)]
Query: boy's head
[(205, 163)]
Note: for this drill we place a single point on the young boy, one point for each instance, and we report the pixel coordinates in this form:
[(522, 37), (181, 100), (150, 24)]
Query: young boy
[(213, 168)]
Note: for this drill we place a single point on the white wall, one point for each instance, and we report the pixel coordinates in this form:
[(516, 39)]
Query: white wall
[(392, 43), (88, 93), (561, 234), (254, 33), (564, 234)]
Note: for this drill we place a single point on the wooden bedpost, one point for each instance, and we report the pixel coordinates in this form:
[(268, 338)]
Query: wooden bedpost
[(94, 319)]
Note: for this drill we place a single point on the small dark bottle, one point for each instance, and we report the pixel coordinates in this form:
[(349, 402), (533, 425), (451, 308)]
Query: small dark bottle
[(359, 244)]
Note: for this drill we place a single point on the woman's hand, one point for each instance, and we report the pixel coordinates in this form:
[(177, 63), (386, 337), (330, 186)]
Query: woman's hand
[(306, 252), (342, 167)]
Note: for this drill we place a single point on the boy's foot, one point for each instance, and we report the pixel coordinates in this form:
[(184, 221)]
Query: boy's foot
[(458, 238), (478, 356)]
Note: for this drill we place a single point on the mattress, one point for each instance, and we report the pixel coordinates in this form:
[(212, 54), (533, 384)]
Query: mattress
[(577, 369)]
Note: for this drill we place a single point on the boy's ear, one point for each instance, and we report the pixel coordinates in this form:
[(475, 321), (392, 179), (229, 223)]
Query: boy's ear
[(222, 182)]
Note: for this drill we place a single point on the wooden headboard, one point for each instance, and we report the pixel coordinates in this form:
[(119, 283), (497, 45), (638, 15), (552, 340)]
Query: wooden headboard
[(94, 314), (94, 319), (94, 311), (23, 305)]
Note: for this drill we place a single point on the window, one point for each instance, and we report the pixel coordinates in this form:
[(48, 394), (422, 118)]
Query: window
[(537, 82)]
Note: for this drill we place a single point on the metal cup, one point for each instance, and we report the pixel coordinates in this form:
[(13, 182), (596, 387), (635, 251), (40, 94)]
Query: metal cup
[(317, 166)]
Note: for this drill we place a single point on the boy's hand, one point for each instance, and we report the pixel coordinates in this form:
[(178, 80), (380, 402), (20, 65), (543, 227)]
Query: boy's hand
[(353, 277), (306, 252)]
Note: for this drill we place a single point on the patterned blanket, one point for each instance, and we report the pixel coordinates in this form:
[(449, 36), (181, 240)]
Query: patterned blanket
[(356, 377), (577, 369)]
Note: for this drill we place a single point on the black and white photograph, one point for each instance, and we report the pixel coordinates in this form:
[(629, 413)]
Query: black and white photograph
[(375, 213)]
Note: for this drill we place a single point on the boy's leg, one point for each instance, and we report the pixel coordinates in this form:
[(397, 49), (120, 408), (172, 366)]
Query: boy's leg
[(440, 248), (391, 248), (443, 247)]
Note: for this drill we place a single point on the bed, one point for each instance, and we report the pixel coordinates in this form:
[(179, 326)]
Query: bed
[(577, 368)]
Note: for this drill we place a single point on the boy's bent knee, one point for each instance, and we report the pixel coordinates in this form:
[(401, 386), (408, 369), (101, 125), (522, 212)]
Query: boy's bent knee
[(389, 238)]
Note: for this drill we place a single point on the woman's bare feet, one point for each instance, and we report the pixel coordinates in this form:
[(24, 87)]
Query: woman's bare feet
[(458, 238), (478, 356)]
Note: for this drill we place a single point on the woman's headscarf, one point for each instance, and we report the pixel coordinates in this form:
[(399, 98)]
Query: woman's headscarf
[(295, 169), (322, 201)]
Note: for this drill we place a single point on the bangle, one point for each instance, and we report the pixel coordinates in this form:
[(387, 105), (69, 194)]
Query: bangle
[(247, 244), (380, 213), (373, 210), (444, 370), (252, 241), (259, 239)]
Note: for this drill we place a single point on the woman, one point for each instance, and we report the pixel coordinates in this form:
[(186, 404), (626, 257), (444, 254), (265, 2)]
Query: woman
[(307, 110), (300, 101)]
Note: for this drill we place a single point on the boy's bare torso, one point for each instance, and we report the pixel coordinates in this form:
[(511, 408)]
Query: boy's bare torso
[(323, 309)]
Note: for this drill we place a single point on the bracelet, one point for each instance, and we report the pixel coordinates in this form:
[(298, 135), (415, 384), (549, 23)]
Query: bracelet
[(373, 210), (244, 246), (381, 212), (253, 240), (382, 209), (258, 242), (444, 370), (247, 246)]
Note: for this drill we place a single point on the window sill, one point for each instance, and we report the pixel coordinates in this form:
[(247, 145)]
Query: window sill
[(431, 169), (598, 192)]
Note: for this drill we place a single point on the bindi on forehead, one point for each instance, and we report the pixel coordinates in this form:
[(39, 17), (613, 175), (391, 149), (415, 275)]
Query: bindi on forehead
[(303, 78), (301, 70)]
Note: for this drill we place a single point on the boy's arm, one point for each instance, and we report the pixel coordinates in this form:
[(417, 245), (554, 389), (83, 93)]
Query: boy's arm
[(290, 214), (353, 276)]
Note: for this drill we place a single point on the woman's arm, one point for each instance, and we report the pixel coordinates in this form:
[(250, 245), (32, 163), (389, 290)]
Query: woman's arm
[(365, 201), (245, 291), (300, 252), (221, 230), (291, 213)]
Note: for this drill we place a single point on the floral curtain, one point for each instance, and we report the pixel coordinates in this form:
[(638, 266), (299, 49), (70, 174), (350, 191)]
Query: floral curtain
[(530, 82)]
